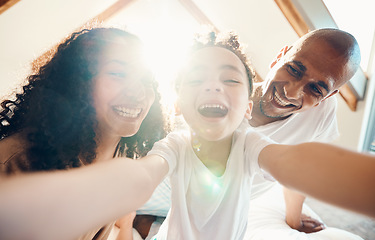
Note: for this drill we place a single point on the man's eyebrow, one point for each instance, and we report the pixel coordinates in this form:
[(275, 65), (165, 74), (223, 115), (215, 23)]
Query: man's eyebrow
[(300, 65), (323, 85)]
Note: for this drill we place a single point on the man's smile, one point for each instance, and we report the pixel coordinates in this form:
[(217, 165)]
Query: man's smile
[(280, 100)]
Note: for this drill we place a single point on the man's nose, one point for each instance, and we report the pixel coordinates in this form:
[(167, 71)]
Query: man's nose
[(294, 90)]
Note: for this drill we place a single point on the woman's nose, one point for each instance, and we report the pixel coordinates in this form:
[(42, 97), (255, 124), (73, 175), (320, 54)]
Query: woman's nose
[(135, 89)]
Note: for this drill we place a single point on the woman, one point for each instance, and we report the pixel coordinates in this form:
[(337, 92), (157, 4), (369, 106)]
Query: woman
[(91, 102)]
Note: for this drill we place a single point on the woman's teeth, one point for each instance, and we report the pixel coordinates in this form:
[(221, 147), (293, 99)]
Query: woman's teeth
[(128, 112)]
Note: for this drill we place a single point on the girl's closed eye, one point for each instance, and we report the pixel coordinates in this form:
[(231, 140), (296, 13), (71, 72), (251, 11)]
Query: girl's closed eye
[(194, 81), (232, 81)]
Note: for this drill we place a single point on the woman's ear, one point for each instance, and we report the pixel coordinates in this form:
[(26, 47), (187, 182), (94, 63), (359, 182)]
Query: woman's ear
[(281, 53), (177, 109)]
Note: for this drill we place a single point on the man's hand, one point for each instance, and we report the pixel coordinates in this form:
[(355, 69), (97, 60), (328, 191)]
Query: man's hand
[(310, 225)]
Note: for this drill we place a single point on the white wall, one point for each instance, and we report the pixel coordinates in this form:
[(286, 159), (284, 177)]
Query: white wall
[(350, 124), (29, 28)]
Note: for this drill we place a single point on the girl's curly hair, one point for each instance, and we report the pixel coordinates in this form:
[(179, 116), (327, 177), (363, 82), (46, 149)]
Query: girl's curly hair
[(228, 40), (56, 110)]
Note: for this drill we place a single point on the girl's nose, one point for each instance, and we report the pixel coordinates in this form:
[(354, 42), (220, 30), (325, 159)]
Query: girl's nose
[(213, 86), (213, 89)]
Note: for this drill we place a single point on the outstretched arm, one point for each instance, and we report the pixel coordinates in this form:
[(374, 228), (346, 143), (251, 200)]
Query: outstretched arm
[(338, 176), (67, 204)]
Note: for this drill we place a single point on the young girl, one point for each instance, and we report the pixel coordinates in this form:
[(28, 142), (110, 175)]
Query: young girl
[(85, 105)]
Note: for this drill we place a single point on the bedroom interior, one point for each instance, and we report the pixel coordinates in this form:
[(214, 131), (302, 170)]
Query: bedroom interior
[(30, 28)]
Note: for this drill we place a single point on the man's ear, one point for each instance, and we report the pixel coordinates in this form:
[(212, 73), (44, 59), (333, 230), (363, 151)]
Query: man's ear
[(281, 53), (249, 110), (330, 95)]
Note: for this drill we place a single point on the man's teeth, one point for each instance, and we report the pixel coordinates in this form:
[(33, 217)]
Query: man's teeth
[(212, 106), (279, 100), (128, 112)]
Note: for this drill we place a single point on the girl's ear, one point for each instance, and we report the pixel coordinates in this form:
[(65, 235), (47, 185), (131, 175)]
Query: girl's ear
[(249, 110), (281, 54)]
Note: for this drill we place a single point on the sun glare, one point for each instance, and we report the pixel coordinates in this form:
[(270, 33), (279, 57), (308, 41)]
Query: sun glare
[(165, 51), (165, 58)]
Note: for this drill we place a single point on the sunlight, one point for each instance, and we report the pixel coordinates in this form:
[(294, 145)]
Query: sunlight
[(166, 57), (166, 28), (360, 23)]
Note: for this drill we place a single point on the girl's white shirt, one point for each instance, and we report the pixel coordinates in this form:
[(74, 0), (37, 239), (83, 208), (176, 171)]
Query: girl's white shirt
[(205, 206)]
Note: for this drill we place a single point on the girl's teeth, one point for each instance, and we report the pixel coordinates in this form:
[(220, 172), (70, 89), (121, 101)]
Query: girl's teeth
[(212, 106)]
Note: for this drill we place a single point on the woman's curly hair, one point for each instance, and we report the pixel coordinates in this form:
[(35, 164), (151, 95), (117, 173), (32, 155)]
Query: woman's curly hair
[(228, 40), (56, 110)]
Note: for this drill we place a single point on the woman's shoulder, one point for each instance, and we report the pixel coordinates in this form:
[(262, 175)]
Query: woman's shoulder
[(13, 154)]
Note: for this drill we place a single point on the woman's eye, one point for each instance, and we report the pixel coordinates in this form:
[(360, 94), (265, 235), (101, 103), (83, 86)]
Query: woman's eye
[(118, 74), (293, 71)]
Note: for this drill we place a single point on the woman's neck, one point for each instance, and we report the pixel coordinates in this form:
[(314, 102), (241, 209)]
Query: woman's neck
[(106, 147)]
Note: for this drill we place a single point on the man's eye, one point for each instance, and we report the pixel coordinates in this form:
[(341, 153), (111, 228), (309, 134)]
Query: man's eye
[(316, 90), (293, 71)]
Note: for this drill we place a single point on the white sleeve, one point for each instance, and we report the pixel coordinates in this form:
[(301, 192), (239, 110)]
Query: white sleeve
[(167, 148), (255, 142)]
